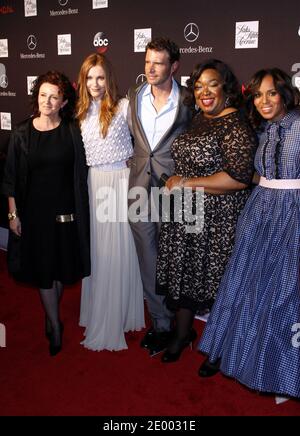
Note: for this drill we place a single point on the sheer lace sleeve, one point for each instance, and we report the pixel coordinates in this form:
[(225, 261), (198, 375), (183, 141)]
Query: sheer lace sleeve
[(239, 146)]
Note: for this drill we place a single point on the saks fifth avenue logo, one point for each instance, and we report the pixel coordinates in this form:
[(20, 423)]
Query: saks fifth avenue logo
[(30, 81), (191, 34), (5, 120), (246, 34), (183, 80), (69, 11), (3, 48), (141, 39), (98, 4), (64, 46), (30, 8), (101, 42)]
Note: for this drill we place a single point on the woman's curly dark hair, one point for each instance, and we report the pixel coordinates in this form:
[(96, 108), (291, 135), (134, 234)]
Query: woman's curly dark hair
[(283, 85), (65, 87), (231, 86)]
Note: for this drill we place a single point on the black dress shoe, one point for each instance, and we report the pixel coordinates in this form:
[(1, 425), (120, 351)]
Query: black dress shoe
[(168, 356), (147, 340), (159, 342), (208, 369)]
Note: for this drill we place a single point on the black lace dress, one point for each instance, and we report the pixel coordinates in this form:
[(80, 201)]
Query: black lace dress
[(190, 265)]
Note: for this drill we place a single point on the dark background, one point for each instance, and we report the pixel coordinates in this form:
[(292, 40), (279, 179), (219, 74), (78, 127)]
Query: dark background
[(278, 44)]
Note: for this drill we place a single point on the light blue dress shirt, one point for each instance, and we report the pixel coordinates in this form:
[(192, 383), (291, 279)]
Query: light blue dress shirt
[(156, 124)]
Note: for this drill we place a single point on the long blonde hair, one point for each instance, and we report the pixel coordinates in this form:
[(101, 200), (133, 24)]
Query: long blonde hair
[(110, 100)]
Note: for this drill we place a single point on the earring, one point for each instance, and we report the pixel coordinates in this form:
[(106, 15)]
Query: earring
[(227, 102)]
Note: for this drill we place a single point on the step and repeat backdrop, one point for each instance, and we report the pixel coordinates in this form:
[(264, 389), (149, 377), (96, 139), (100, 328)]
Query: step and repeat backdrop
[(38, 35)]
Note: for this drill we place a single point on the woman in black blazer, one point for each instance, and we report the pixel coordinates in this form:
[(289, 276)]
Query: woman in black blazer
[(45, 180)]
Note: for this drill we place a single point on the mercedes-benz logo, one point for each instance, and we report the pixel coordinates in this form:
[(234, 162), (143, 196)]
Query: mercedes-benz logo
[(31, 42), (141, 79), (3, 81), (63, 2), (191, 32)]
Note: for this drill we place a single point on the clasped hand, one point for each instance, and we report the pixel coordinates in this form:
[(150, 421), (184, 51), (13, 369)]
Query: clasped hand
[(173, 182), (15, 226)]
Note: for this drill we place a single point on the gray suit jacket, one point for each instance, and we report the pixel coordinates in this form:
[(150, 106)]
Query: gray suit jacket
[(147, 165)]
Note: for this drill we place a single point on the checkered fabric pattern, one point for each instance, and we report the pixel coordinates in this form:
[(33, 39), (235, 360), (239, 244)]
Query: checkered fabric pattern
[(254, 322)]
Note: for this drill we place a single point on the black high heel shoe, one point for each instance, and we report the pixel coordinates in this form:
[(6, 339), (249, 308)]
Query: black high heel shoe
[(54, 347), (168, 356), (208, 369)]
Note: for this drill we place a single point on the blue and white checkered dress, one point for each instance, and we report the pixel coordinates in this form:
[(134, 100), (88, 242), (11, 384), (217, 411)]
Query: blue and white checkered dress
[(254, 324)]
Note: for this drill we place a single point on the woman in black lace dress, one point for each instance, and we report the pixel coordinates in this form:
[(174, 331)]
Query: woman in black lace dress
[(216, 154)]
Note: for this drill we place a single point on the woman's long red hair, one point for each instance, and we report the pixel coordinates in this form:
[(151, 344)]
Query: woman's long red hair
[(110, 100)]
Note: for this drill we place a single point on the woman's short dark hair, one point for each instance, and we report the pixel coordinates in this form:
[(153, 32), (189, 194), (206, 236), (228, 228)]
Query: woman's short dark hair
[(231, 86), (65, 88), (283, 85), (160, 44)]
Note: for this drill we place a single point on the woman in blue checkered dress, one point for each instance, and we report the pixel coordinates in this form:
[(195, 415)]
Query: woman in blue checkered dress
[(253, 333)]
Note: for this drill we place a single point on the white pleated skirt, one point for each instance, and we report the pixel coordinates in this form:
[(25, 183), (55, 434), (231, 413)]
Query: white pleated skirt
[(112, 297)]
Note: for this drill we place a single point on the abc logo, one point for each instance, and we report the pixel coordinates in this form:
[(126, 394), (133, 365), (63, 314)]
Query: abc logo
[(101, 42)]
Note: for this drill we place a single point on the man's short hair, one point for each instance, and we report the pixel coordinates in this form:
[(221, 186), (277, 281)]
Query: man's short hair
[(160, 44)]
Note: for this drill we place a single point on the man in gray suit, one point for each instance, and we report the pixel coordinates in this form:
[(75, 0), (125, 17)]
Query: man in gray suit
[(157, 115)]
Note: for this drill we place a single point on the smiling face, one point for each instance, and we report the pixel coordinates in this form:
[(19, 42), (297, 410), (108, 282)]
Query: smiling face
[(96, 82), (268, 101), (50, 100), (209, 94)]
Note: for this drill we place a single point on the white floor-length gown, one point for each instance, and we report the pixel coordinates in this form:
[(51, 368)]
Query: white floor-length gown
[(112, 297)]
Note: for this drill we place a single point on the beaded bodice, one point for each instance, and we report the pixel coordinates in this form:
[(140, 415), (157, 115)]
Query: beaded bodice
[(116, 146)]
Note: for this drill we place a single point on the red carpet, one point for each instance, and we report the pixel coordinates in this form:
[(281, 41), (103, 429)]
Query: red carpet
[(82, 382)]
